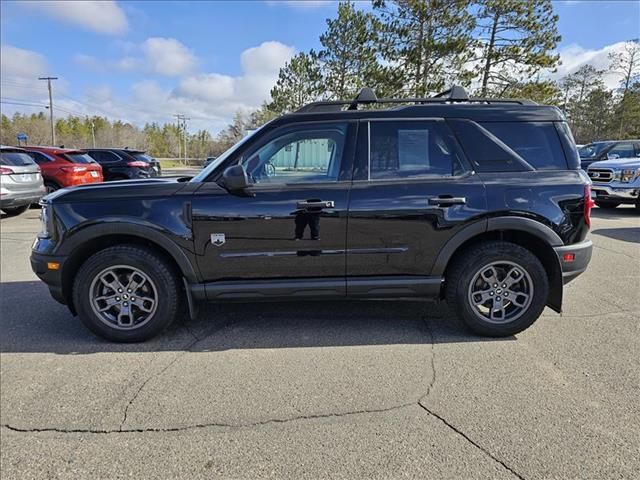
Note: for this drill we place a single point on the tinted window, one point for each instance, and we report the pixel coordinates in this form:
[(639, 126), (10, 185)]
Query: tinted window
[(622, 150), (16, 159), (79, 158), (407, 149), (103, 157), (142, 156), (40, 158), (311, 154), (535, 142), (592, 149)]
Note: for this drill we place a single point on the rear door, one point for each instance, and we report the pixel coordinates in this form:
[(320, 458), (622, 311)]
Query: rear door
[(291, 224), (412, 192)]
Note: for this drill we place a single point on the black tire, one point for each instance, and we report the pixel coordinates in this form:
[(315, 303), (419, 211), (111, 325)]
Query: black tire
[(164, 285), (468, 268), (638, 204), (607, 204), (15, 211), (51, 187)]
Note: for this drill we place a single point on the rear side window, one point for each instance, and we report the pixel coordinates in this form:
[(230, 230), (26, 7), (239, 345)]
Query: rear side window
[(79, 158), (536, 142), (104, 157), (409, 149), (15, 159)]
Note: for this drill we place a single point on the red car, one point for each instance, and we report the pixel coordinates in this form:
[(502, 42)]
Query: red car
[(63, 167)]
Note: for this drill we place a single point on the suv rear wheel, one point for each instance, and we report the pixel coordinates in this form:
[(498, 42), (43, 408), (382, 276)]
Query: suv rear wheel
[(497, 288), (126, 294)]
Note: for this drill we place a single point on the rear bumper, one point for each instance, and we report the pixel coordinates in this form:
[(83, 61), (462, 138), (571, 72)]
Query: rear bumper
[(621, 194), (52, 277), (574, 259), (13, 199)]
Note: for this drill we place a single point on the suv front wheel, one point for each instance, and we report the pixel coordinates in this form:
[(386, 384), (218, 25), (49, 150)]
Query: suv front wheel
[(497, 288), (126, 293)]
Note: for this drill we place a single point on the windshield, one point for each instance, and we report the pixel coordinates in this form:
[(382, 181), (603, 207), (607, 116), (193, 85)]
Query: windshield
[(213, 165), (79, 158), (15, 159), (593, 149)]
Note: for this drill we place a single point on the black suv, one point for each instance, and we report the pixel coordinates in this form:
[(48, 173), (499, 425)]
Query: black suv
[(124, 164), (479, 202)]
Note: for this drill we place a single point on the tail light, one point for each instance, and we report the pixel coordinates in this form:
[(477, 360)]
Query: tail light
[(6, 171), (74, 169), (138, 163), (588, 205)]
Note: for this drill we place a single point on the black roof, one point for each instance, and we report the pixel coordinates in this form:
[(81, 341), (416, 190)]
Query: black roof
[(116, 149), (454, 103)]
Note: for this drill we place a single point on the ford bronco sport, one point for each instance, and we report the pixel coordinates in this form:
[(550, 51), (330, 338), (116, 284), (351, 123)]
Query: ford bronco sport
[(479, 202)]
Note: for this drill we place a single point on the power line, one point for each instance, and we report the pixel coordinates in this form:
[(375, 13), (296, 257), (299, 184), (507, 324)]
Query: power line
[(11, 102), (53, 130)]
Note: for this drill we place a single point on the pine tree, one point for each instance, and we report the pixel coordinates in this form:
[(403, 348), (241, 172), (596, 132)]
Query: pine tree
[(299, 82), (626, 63), (426, 42), (516, 38)]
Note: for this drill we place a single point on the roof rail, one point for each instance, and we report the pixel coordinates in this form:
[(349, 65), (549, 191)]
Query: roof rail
[(455, 94)]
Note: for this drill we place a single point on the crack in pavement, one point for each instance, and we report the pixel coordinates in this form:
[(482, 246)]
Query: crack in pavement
[(272, 421), (472, 442)]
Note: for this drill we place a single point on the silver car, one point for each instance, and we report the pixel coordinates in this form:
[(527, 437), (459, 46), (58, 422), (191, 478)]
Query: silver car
[(20, 181)]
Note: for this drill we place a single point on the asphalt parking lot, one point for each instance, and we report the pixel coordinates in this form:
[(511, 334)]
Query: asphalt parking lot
[(327, 390)]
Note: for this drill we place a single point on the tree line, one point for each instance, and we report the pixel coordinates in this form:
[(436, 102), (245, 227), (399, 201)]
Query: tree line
[(402, 48)]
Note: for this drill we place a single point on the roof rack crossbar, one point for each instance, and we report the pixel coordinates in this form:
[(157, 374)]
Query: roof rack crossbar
[(455, 94)]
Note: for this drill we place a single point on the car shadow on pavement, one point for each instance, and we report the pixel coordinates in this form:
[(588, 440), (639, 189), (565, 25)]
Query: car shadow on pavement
[(30, 321), (623, 211), (631, 235)]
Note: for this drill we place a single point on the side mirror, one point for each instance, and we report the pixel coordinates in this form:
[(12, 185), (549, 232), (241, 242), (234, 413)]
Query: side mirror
[(235, 179)]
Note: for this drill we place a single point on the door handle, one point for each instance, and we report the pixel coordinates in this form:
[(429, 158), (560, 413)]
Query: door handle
[(446, 200), (315, 204)]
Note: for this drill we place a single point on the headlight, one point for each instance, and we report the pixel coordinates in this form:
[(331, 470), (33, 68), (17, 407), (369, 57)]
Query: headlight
[(628, 175), (45, 222)]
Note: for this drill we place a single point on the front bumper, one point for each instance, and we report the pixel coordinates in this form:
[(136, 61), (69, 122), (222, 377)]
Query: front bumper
[(574, 259), (608, 192), (40, 264)]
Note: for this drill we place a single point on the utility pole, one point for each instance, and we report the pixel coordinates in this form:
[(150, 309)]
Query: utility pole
[(184, 123), (93, 131), (53, 130), (179, 118)]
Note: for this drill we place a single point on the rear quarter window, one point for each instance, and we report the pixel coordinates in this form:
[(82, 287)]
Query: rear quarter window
[(536, 142)]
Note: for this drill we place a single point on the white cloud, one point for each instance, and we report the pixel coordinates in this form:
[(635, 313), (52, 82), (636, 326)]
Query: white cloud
[(210, 99), (574, 56), (101, 16), (164, 56), (19, 63), (167, 56)]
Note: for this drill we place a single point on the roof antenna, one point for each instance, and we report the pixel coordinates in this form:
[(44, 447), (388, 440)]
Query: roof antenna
[(455, 94), (366, 95)]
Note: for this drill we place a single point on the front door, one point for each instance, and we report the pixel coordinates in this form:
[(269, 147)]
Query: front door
[(412, 192), (291, 224)]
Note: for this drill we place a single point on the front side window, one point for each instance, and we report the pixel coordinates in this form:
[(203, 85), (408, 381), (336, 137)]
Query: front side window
[(409, 149), (622, 150), (104, 157), (306, 155)]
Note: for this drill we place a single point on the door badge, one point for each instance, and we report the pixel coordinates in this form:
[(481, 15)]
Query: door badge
[(218, 239)]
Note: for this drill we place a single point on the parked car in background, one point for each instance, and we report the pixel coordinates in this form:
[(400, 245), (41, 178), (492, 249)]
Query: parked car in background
[(156, 169), (20, 181), (616, 182), (611, 149), (63, 167), (207, 161), (120, 164)]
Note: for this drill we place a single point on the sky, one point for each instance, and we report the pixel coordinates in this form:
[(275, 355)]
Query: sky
[(144, 61)]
